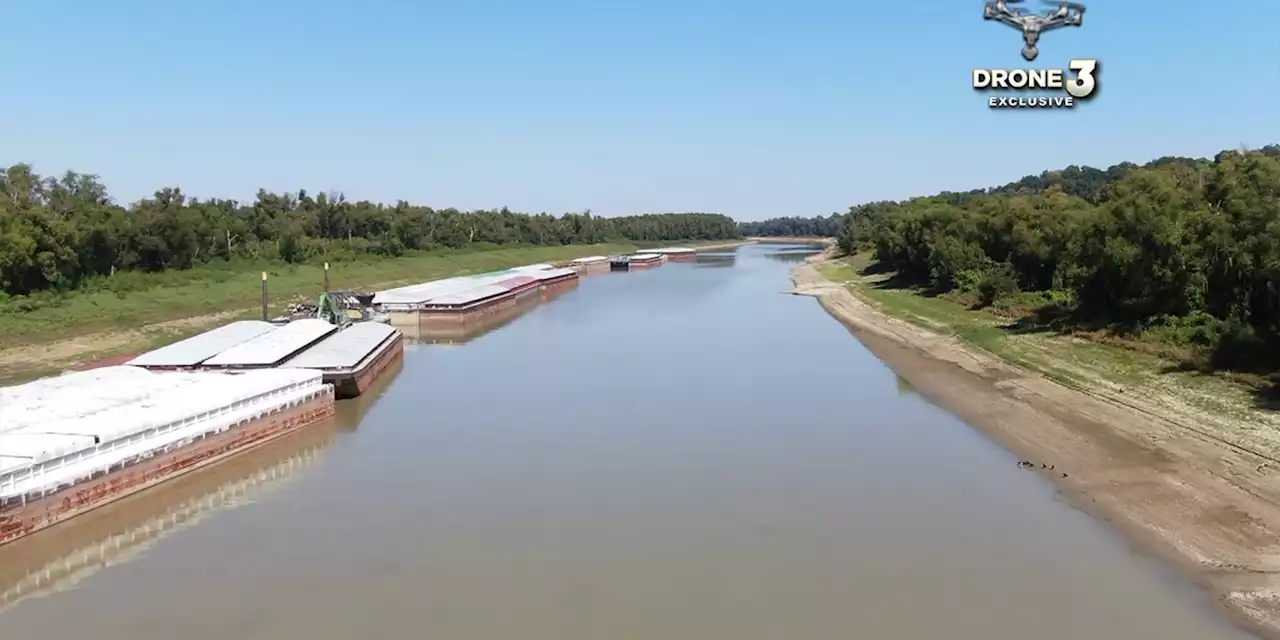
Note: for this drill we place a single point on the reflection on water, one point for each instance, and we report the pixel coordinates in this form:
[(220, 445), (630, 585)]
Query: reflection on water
[(350, 412), (794, 253), (61, 557), (470, 329), (904, 387), (718, 259)]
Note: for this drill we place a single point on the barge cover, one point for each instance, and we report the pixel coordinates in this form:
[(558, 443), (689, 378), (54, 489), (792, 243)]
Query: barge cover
[(196, 349), (345, 349), (269, 349)]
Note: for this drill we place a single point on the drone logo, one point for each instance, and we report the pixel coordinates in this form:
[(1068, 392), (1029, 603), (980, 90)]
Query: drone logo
[(1068, 14)]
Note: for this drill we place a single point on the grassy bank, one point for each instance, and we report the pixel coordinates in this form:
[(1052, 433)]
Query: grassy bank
[(135, 312), (1132, 373), (133, 300)]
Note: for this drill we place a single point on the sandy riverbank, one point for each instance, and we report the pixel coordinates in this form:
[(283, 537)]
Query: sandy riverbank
[(1210, 507)]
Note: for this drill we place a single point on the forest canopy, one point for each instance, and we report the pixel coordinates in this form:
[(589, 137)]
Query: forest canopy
[(794, 227), (56, 234), (1181, 250)]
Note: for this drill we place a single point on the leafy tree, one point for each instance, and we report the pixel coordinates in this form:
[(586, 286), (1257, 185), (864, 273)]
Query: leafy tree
[(1187, 243), (60, 234)]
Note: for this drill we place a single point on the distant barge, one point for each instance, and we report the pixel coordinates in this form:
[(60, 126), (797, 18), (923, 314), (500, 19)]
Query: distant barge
[(677, 254), (590, 265), (73, 443), (443, 304), (636, 261)]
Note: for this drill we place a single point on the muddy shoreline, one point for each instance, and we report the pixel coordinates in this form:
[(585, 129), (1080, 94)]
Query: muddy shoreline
[(1211, 510)]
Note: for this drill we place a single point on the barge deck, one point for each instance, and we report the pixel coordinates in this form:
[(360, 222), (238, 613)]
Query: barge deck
[(353, 358)]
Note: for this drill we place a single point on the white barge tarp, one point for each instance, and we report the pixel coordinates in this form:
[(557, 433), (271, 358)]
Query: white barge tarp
[(177, 408), (272, 348), (201, 347), (81, 393), (344, 349), (450, 290)]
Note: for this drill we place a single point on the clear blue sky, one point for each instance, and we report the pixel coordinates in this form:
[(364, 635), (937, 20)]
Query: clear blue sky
[(744, 107)]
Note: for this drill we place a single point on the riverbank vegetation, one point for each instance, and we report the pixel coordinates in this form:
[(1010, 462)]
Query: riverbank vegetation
[(89, 326), (63, 234), (1178, 259), (72, 259), (794, 227)]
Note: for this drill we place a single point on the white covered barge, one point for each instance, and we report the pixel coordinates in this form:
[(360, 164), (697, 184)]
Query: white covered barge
[(350, 358), (73, 443), (353, 358), (590, 264), (466, 299), (677, 254)]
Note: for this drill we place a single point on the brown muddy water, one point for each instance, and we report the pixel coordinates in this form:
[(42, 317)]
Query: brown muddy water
[(676, 453)]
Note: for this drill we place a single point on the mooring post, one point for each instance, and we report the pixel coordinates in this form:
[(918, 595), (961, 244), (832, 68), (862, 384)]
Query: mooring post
[(264, 297), (326, 277)]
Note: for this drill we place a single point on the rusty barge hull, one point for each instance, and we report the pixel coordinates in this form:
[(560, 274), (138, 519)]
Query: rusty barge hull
[(18, 520), (443, 319), (351, 383)]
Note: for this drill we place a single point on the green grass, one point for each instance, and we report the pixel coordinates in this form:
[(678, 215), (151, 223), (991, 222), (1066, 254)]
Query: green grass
[(1063, 358), (1083, 361), (134, 300)]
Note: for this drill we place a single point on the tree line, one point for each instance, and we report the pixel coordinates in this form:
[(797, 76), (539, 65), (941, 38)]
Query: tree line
[(1182, 250), (56, 234), (794, 227)]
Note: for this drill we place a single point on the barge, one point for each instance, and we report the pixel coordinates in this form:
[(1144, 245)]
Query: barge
[(677, 254), (645, 261), (443, 304), (590, 265), (352, 358), (76, 442), (349, 357), (470, 328)]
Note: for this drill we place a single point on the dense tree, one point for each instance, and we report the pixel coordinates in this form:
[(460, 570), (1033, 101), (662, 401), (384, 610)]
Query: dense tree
[(59, 233), (794, 227), (1190, 247)]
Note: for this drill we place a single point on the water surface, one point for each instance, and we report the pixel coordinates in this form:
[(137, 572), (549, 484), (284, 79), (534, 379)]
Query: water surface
[(675, 453)]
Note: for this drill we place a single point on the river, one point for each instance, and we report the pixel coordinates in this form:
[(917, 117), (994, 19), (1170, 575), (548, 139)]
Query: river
[(677, 453)]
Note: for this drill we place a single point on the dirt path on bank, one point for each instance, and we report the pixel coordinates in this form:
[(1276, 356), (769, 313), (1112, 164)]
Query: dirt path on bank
[(70, 352), (1209, 505)]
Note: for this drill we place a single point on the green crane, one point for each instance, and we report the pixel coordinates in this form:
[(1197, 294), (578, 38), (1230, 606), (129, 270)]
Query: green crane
[(329, 310)]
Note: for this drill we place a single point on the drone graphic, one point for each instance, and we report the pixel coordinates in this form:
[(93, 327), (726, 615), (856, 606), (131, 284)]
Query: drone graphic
[(1068, 14)]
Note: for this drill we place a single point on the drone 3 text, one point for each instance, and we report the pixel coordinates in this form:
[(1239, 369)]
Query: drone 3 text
[(1079, 81)]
